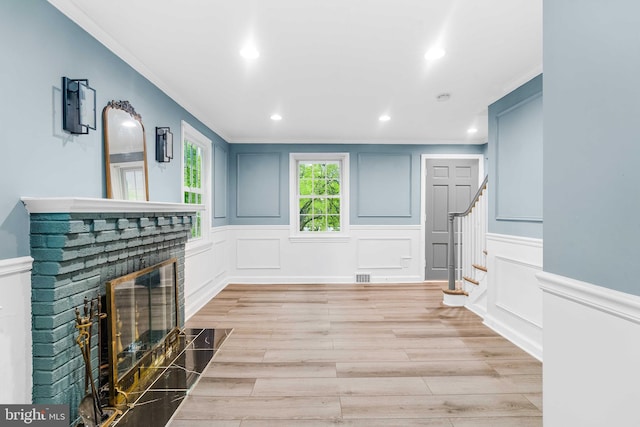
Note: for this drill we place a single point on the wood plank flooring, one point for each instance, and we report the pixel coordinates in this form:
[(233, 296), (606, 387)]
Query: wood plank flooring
[(358, 355)]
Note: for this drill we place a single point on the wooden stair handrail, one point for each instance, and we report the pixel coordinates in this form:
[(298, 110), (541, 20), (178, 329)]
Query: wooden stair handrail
[(483, 187)]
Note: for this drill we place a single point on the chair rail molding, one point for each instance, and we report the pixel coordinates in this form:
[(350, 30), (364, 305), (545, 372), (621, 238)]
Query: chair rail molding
[(616, 303)]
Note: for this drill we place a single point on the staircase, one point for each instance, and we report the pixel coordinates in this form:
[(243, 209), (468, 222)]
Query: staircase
[(468, 254)]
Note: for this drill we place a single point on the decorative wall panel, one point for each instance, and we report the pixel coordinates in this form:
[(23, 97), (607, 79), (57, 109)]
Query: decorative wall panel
[(384, 185), (220, 162), (258, 253), (258, 190), (519, 161), (381, 253)]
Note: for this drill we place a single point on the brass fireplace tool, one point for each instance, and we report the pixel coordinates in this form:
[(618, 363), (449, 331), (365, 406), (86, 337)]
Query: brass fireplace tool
[(90, 410)]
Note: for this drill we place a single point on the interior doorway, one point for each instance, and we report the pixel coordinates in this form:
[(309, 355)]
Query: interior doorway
[(449, 184)]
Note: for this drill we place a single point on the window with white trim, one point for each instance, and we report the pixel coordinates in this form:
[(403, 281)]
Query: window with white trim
[(196, 168), (319, 194)]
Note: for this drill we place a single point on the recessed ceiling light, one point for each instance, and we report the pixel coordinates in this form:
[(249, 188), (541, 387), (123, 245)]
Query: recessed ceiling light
[(249, 52), (276, 117), (384, 118), (472, 130), (434, 53)]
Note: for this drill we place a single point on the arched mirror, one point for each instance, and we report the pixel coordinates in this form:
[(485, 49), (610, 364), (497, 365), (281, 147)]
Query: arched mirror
[(125, 152)]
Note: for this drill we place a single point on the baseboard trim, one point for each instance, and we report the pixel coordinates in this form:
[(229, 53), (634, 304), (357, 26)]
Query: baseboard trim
[(616, 303), (477, 301), (517, 338), (205, 293), (477, 310), (304, 280)]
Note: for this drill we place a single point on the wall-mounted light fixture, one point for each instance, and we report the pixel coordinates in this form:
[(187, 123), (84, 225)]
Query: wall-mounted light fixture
[(164, 145), (78, 106)]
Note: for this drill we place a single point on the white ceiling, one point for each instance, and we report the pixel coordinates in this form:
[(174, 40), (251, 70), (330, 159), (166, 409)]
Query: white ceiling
[(329, 67)]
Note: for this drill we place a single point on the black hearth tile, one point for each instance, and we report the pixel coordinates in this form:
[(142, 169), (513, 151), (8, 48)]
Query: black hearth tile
[(134, 395), (191, 333), (194, 360), (183, 342), (203, 340), (155, 405), (219, 336), (175, 378), (155, 408)]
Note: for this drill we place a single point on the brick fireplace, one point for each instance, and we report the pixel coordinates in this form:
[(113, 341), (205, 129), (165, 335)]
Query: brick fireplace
[(78, 245)]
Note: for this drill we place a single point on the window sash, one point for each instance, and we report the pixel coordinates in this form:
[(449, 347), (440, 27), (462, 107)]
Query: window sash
[(319, 196), (193, 192)]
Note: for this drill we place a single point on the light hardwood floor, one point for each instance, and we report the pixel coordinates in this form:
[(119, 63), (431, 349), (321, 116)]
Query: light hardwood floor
[(358, 355)]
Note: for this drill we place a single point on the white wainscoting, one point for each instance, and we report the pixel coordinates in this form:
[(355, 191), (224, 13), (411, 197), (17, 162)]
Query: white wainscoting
[(15, 330), (267, 254), (382, 253), (206, 267), (514, 298), (258, 253), (591, 354)]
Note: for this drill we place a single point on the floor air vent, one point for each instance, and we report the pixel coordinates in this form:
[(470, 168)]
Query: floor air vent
[(363, 278)]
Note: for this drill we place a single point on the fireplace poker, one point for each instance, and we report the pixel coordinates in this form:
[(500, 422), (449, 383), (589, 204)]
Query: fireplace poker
[(84, 342)]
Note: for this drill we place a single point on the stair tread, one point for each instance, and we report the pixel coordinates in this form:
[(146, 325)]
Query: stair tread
[(455, 292), (480, 267), (470, 280)]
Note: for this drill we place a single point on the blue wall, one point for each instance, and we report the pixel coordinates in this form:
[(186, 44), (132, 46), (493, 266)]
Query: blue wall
[(384, 181), (592, 142), (39, 46), (515, 171)]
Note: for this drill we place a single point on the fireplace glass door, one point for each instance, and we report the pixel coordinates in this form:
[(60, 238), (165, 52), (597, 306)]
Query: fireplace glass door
[(143, 314)]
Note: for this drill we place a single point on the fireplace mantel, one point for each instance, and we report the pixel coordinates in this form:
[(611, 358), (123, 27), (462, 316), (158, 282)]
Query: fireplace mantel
[(92, 205)]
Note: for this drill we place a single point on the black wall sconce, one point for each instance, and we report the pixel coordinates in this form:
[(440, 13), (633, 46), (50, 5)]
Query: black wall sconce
[(78, 106), (164, 145)]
